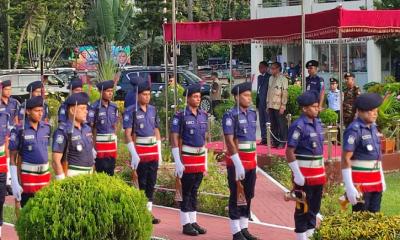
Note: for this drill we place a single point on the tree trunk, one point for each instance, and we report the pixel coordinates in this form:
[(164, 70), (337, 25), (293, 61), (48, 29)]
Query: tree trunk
[(21, 41), (151, 49), (145, 51), (192, 46)]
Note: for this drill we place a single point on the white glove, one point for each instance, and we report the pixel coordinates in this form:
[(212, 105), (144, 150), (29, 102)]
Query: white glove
[(179, 168), (239, 169), (383, 180), (60, 177), (16, 188), (298, 176), (134, 156), (94, 153), (351, 190), (160, 160)]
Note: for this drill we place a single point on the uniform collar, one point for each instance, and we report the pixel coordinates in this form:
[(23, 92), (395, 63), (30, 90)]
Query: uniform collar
[(337, 90), (240, 110), (363, 124), (189, 112), (306, 120), (28, 124)]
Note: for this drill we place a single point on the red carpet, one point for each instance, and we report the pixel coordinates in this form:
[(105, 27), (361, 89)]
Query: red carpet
[(263, 150)]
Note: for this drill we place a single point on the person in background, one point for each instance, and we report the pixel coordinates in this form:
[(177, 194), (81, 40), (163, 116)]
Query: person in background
[(350, 94), (362, 158), (215, 90), (315, 82), (333, 96), (277, 98), (261, 100), (292, 72)]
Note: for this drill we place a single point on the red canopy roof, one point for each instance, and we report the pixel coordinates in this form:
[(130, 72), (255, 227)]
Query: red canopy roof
[(321, 25)]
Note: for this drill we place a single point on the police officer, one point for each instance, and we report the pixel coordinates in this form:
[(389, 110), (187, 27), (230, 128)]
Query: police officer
[(362, 159), (304, 154), (4, 133), (239, 126), (103, 117), (73, 140), (34, 89), (30, 140), (142, 136), (315, 82), (10, 105), (350, 94), (75, 86), (333, 96), (190, 127), (261, 99)]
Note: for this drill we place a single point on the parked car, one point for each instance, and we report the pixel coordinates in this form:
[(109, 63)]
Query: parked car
[(19, 82), (156, 75)]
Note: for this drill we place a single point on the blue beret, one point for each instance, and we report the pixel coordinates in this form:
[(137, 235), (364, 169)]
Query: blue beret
[(308, 98), (240, 88), (33, 86), (312, 63), (105, 85), (144, 86), (75, 84), (6, 83), (368, 101), (77, 99), (194, 88), (34, 102)]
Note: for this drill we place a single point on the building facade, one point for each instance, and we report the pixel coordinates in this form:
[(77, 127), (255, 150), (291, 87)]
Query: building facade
[(364, 58)]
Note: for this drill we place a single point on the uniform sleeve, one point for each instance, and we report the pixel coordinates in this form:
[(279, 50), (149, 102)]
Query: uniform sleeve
[(294, 135), (176, 123), (59, 141), (14, 140), (228, 124), (91, 115), (128, 119), (350, 140)]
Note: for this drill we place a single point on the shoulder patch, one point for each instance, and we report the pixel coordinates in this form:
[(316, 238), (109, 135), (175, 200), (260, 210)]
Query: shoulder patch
[(296, 134), (175, 121), (351, 140), (60, 139), (228, 122)]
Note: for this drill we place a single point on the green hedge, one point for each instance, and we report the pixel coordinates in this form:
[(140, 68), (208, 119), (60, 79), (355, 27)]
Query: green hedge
[(86, 207), (359, 226), (329, 117), (292, 107)]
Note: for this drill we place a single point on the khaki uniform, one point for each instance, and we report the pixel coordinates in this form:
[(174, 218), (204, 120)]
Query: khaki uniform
[(349, 111)]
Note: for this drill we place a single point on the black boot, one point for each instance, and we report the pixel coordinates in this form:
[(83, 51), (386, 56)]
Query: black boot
[(247, 235), (199, 229), (189, 230), (238, 236), (9, 190), (155, 220)]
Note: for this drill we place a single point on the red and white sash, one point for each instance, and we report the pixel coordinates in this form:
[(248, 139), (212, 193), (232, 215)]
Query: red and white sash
[(313, 168), (194, 159), (247, 154), (106, 145), (367, 175), (34, 176), (147, 148)]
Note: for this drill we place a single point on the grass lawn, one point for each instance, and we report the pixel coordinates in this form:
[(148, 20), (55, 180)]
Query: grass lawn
[(390, 202)]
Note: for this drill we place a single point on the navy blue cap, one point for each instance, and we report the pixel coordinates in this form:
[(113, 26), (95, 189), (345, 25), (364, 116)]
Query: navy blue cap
[(33, 86), (194, 88), (368, 101), (312, 63), (346, 75), (240, 88), (105, 85), (333, 80), (6, 83), (144, 86), (75, 84), (34, 102), (308, 98), (77, 99)]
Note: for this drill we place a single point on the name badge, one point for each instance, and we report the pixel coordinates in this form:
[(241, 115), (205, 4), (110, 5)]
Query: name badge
[(139, 116), (189, 122), (365, 137), (29, 137), (102, 114), (243, 121), (313, 134), (74, 138)]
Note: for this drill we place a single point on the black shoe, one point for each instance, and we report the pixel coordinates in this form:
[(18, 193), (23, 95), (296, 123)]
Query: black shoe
[(155, 220), (199, 229), (247, 235), (238, 236), (263, 142), (9, 190), (189, 230)]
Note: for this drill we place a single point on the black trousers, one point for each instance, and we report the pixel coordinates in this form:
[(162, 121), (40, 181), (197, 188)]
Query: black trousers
[(372, 202), (304, 221), (25, 197), (263, 119), (105, 165), (278, 125), (249, 183), (190, 186), (147, 177), (3, 192)]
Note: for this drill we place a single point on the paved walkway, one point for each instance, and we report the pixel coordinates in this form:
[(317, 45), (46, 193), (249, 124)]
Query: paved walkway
[(273, 217)]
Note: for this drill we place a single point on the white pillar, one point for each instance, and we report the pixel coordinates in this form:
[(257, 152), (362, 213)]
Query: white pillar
[(374, 67), (285, 53), (308, 55), (257, 55)]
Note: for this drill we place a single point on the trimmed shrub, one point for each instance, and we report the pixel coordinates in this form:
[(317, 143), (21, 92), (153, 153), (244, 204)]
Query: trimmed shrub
[(221, 108), (360, 225), (292, 107), (328, 117), (86, 207)]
